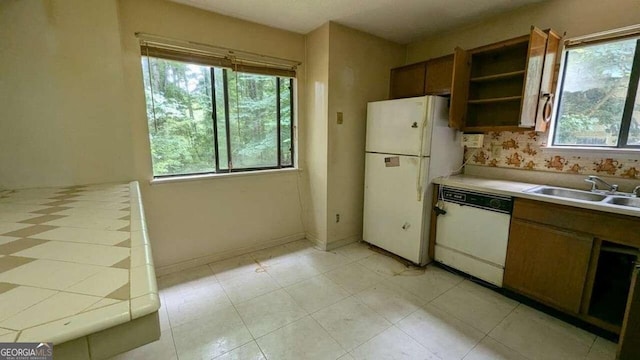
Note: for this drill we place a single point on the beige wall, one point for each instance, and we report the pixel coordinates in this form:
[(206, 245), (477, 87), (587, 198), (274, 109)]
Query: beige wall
[(359, 66), (315, 133), (62, 95), (576, 17), (346, 69), (213, 217)]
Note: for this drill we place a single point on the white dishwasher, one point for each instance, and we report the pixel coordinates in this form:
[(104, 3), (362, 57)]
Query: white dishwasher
[(472, 232)]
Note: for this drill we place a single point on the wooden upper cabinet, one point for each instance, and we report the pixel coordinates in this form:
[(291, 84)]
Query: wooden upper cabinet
[(459, 88), (439, 76), (533, 77), (547, 85), (503, 84), (408, 81), (431, 77)]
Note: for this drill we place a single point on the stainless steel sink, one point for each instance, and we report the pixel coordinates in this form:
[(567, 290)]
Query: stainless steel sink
[(567, 193), (624, 201)]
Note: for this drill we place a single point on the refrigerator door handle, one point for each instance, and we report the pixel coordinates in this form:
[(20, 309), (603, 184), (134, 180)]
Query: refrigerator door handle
[(419, 187)]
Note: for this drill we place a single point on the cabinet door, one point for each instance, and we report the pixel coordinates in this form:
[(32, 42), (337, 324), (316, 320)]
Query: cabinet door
[(459, 88), (629, 345), (439, 76), (408, 81), (547, 91), (533, 77), (547, 264)]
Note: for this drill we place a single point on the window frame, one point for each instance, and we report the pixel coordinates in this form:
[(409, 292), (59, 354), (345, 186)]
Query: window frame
[(214, 118), (630, 100)]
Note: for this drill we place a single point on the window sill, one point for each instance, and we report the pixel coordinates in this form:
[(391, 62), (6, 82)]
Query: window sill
[(185, 178), (591, 150)]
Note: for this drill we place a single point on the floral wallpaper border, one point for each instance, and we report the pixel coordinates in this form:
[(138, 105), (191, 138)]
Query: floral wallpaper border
[(526, 150)]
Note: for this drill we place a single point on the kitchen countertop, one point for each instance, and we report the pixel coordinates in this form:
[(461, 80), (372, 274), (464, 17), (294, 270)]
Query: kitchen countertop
[(516, 189), (73, 261)]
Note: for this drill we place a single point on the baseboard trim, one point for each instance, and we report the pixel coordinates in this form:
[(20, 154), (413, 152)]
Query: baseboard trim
[(317, 243), (342, 242), (188, 264)]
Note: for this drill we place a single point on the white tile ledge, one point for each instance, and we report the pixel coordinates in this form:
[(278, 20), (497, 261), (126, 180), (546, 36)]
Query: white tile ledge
[(185, 178), (516, 189)]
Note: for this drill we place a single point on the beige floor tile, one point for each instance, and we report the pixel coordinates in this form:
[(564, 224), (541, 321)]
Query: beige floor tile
[(211, 336), (392, 344), (602, 350), (351, 322), (291, 271), (540, 336), (354, 277), (230, 268), (440, 332), (477, 306), (316, 293), (383, 265), (269, 312), (245, 287), (355, 251), (59, 274), (273, 255), (52, 308), (303, 339), (89, 236), (21, 298), (324, 261), (489, 349), (427, 284), (162, 349), (392, 302), (77, 252), (249, 351), (187, 278), (193, 303), (102, 283)]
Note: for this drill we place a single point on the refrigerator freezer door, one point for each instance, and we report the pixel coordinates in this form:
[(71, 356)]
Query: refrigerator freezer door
[(399, 126), (393, 216)]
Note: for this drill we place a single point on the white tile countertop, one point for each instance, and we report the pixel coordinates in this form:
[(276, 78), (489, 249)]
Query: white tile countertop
[(517, 189), (73, 261)]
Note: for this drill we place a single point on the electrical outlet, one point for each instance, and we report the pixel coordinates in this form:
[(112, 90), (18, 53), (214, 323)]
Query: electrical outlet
[(337, 218), (472, 140), (496, 150), (340, 118)]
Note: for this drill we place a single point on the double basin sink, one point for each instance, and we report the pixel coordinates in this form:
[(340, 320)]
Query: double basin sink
[(614, 199)]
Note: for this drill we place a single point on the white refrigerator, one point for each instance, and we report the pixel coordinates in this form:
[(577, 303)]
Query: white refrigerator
[(409, 144)]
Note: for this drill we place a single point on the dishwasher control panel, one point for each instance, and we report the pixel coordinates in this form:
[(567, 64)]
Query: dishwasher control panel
[(483, 201)]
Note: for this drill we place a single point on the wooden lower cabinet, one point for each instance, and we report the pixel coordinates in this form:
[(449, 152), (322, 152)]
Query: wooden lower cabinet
[(547, 264), (629, 344)]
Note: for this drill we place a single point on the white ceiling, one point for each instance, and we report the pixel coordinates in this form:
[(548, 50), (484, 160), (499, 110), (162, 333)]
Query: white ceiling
[(402, 21)]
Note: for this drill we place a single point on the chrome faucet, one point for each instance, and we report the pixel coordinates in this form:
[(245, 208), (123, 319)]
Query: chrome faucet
[(594, 180), (635, 193)]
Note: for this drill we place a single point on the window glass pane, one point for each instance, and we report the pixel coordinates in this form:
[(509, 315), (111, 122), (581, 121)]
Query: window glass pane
[(285, 121), (593, 94), (179, 113), (634, 128), (252, 120), (221, 113)]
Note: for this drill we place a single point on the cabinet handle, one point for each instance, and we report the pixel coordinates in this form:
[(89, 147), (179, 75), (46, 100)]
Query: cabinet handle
[(547, 107)]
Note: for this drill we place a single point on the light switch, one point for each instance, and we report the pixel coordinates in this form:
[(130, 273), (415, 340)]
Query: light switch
[(339, 118)]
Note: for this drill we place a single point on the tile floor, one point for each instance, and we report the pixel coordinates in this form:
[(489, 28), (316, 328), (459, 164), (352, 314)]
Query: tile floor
[(295, 302)]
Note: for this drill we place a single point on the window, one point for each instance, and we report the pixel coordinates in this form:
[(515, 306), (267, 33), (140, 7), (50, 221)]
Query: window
[(205, 119), (599, 101)]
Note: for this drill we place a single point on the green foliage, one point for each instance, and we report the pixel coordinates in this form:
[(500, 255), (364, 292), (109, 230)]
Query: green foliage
[(595, 91), (180, 104)]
